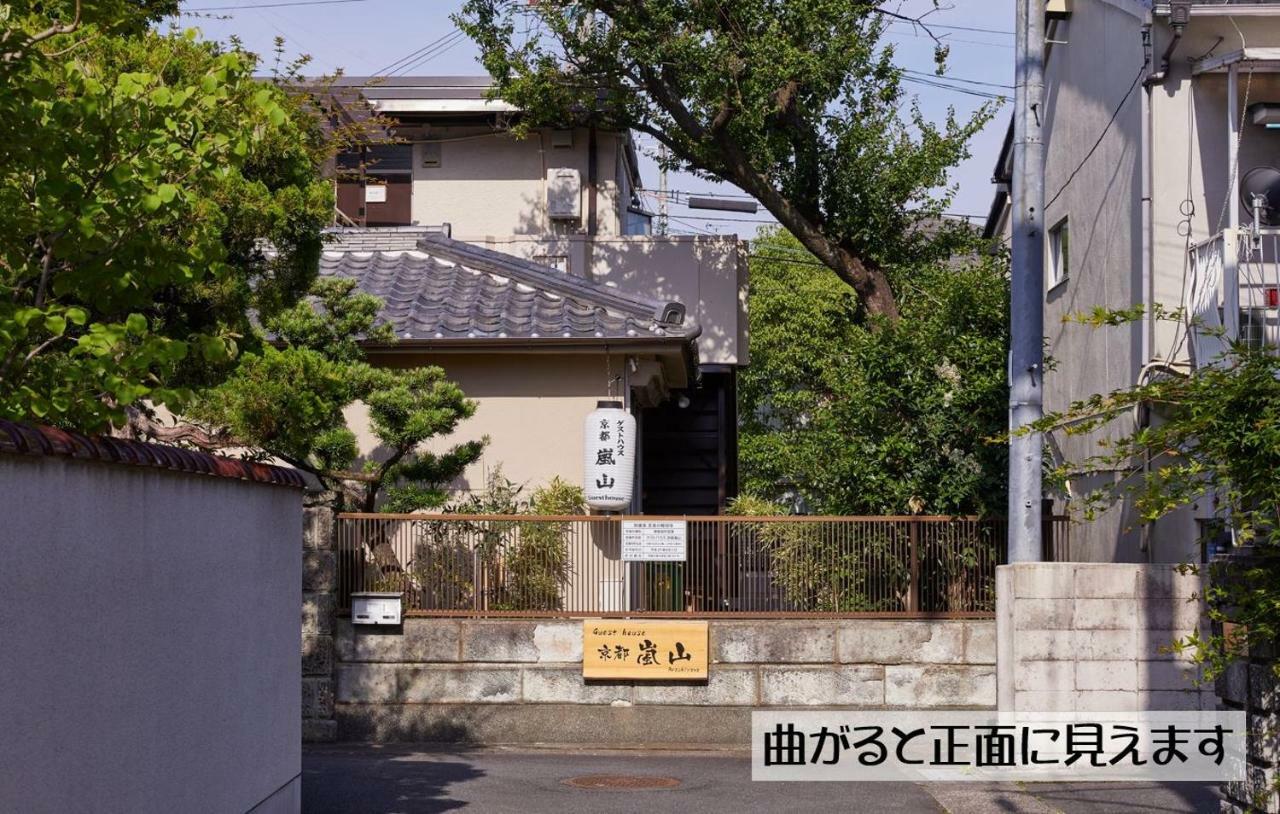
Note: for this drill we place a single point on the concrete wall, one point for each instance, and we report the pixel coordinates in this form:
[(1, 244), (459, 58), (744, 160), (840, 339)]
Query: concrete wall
[(1097, 185), (150, 648), (1096, 637), (1098, 53), (521, 681)]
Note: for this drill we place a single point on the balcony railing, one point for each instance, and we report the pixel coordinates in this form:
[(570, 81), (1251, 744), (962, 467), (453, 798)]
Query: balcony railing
[(1233, 292), (567, 566)]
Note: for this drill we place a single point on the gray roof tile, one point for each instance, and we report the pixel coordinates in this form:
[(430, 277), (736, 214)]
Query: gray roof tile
[(446, 289)]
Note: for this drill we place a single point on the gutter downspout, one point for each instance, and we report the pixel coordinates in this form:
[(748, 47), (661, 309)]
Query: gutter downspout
[(1165, 59), (1148, 237), (592, 216)]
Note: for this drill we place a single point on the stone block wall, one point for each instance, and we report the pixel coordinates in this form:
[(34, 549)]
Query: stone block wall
[(1251, 685), (319, 604), (490, 681), (1096, 637)]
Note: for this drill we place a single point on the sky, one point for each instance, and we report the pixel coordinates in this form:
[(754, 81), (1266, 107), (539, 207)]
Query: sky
[(364, 37)]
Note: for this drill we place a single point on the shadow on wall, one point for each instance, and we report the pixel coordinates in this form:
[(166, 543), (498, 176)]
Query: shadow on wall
[(407, 781)]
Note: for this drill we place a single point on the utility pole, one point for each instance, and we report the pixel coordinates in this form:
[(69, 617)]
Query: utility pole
[(1026, 295)]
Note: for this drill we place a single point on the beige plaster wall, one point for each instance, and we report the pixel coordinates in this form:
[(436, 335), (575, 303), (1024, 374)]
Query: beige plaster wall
[(530, 406), (495, 184)]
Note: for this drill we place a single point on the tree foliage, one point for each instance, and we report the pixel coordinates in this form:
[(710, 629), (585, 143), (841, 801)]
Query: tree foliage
[(139, 172), (799, 103), (843, 418), (164, 215), (290, 398), (1215, 434)]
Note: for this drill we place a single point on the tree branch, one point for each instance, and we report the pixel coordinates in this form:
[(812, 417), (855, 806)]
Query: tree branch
[(39, 37)]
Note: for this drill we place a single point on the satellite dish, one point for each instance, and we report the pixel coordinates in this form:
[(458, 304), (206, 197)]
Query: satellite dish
[(1262, 183)]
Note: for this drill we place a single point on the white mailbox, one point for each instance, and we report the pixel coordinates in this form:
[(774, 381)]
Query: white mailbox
[(375, 608)]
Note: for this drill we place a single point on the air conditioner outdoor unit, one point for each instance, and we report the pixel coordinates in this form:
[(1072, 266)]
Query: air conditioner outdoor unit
[(564, 193)]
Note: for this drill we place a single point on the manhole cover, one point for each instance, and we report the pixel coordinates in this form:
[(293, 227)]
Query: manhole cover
[(621, 782)]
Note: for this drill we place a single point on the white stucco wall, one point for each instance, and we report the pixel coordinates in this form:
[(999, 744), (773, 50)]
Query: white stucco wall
[(149, 652)]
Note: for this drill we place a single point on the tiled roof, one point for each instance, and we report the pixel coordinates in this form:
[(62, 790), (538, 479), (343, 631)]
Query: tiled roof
[(446, 289), (35, 439)]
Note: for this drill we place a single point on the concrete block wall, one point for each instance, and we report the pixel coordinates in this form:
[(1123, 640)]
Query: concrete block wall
[(319, 604), (491, 681), (1097, 637)]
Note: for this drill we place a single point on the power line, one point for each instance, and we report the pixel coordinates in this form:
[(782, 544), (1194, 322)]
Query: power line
[(949, 40), (982, 94), (453, 41), (948, 77), (951, 27), (274, 5), (419, 56), (791, 260), (1142, 70), (384, 70)]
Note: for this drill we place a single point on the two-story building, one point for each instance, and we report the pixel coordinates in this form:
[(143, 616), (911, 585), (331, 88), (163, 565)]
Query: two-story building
[(526, 268), (1161, 191)]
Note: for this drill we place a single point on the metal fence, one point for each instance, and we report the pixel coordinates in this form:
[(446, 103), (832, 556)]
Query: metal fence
[(566, 566)]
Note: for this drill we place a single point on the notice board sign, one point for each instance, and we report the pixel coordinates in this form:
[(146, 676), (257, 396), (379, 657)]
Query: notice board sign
[(655, 540), (375, 193), (644, 649)]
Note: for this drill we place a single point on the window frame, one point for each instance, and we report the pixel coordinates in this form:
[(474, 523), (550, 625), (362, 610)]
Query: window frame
[(1058, 253)]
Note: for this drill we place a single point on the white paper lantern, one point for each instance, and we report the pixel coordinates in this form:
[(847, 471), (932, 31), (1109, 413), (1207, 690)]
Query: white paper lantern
[(609, 456)]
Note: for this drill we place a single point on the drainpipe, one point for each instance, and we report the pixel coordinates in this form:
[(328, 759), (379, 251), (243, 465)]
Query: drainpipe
[(1179, 16), (1148, 216), (592, 183), (1148, 242)]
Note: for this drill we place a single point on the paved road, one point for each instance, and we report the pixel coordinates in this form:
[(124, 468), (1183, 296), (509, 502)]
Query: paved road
[(370, 779)]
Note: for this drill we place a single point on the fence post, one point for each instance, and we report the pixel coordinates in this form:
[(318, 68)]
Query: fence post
[(913, 593), (1046, 531)]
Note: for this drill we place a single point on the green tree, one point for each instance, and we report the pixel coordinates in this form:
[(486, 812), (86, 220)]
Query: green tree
[(288, 399), (164, 221), (798, 102), (844, 419), (139, 172), (1214, 432)]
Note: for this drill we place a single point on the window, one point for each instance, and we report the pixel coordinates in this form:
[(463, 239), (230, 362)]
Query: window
[(1059, 244)]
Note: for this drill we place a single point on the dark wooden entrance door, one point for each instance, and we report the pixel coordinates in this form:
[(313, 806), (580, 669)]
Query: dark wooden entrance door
[(392, 205)]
